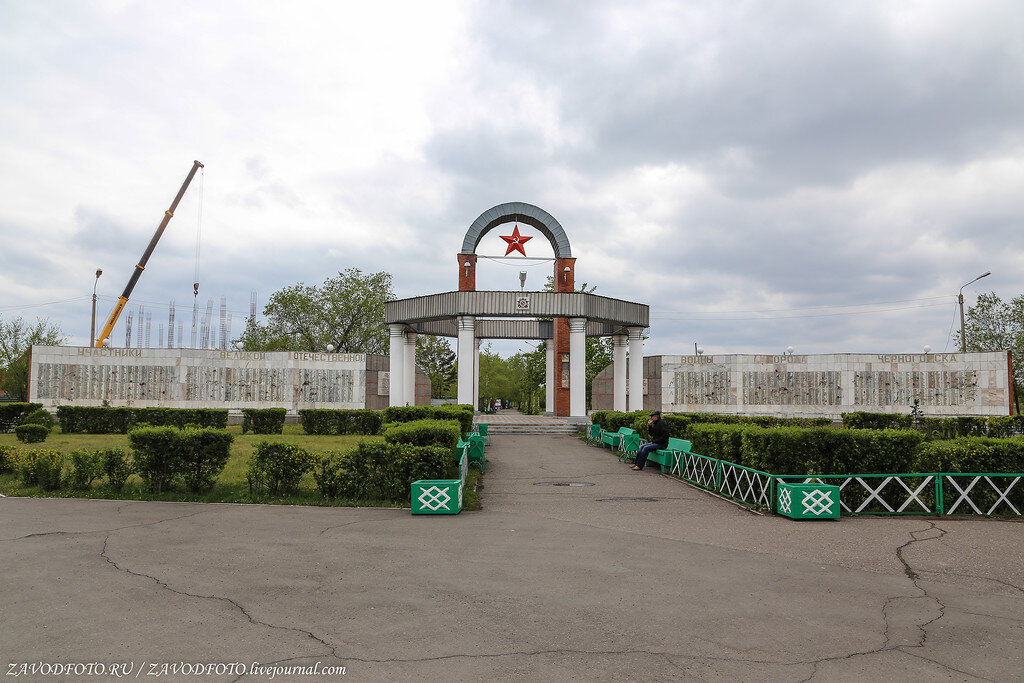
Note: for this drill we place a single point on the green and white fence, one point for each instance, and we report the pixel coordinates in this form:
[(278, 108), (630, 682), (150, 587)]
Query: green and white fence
[(938, 493)]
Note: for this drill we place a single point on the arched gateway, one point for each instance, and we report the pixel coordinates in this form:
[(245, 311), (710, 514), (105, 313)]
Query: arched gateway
[(470, 315)]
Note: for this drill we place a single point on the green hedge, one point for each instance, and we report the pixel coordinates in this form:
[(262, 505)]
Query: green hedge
[(108, 420), (43, 468), (679, 424), (31, 433), (791, 450), (939, 428), (972, 454), (442, 433), (11, 414), (324, 421), (276, 468), (39, 417), (263, 420), (163, 455), (463, 414), (757, 420), (719, 441), (378, 471)]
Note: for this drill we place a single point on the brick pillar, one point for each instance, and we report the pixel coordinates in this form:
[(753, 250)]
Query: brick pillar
[(564, 282), (467, 274)]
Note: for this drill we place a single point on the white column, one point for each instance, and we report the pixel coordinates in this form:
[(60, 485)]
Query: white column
[(549, 379), (396, 370), (467, 329), (409, 392), (476, 374), (636, 368), (619, 342), (577, 367)]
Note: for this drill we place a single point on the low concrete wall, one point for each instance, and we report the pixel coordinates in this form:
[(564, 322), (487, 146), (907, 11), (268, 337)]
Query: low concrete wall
[(199, 378), (825, 385)]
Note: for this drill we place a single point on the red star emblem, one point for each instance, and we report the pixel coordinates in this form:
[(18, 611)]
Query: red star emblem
[(516, 241)]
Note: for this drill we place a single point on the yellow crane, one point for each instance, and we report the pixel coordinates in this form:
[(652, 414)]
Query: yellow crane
[(141, 265)]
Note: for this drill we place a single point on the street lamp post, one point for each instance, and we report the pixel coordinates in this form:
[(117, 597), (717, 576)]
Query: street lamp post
[(960, 299), (92, 328)]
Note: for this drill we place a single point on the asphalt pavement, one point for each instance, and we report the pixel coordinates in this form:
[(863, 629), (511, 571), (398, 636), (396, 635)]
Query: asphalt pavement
[(621, 575)]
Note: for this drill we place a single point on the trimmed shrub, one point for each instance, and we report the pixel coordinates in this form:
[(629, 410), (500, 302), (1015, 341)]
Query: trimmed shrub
[(324, 421), (386, 470), (276, 468), (865, 420), (39, 417), (108, 420), (11, 414), (972, 454), (43, 468), (719, 441), (204, 453), (31, 433), (790, 450), (86, 466), (10, 457), (117, 467), (677, 425), (1006, 427), (462, 414), (331, 474), (158, 454), (443, 433), (599, 417), (263, 420)]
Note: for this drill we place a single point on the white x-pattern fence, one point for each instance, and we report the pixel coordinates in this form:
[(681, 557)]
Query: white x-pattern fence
[(864, 494)]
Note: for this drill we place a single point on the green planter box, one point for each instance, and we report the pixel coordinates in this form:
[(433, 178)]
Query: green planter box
[(807, 501), (437, 497)]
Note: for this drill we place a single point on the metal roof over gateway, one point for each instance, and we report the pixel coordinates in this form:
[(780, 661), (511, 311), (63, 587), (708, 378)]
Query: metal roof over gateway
[(436, 313)]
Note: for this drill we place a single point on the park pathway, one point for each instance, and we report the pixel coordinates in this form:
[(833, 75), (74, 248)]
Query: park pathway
[(634, 577)]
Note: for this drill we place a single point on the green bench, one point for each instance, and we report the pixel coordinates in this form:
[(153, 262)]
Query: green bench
[(671, 458), (594, 433), (473, 447), (625, 440)]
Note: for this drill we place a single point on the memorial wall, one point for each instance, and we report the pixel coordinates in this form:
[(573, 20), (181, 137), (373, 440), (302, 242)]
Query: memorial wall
[(199, 378), (826, 385)]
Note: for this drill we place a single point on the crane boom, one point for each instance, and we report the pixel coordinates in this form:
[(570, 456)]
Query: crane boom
[(141, 265)]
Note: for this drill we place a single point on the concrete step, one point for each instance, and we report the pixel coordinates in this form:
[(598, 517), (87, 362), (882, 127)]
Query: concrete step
[(498, 429)]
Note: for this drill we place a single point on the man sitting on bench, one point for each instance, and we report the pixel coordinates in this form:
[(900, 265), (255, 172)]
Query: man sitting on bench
[(659, 440)]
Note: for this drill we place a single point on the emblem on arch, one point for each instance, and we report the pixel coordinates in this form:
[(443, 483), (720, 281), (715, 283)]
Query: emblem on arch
[(516, 241)]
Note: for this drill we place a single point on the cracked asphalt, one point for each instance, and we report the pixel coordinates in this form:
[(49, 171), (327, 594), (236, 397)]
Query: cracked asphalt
[(546, 582)]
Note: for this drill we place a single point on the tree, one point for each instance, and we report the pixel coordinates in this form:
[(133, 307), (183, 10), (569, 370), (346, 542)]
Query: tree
[(16, 337), (435, 357), (346, 312), (994, 325)]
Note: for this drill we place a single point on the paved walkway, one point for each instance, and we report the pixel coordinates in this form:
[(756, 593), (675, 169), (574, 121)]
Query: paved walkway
[(546, 583)]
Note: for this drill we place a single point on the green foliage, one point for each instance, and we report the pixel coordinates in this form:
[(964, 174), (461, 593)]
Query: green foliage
[(324, 421), (204, 453), (86, 466), (158, 454), (460, 413), (95, 420), (31, 433), (434, 355), (443, 433), (39, 417), (12, 413), (163, 455), (116, 466), (41, 467), (263, 420), (719, 441), (10, 457), (865, 420), (330, 474), (1006, 427), (972, 454), (387, 470), (677, 425), (758, 420), (276, 468), (346, 312), (16, 338), (792, 450), (109, 420)]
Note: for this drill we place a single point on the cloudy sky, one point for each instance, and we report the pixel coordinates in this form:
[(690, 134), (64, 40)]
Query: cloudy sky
[(821, 174)]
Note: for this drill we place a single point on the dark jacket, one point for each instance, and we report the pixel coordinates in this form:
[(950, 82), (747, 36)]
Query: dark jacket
[(659, 432)]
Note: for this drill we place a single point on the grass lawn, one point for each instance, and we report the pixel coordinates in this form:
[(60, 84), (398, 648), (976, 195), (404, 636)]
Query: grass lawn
[(231, 485)]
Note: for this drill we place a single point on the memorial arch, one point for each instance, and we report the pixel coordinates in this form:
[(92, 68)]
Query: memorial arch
[(564, 318)]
